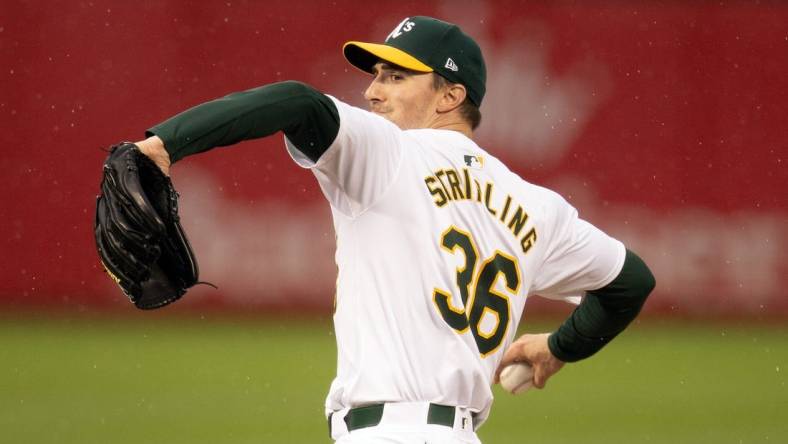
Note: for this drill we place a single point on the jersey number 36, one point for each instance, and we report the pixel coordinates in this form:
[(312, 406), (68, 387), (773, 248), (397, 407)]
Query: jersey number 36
[(480, 300)]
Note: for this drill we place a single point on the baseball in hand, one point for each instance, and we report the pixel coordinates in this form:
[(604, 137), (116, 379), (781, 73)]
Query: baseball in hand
[(517, 378)]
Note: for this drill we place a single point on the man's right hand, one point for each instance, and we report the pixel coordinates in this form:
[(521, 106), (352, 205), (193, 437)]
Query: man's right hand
[(532, 349), (153, 147)]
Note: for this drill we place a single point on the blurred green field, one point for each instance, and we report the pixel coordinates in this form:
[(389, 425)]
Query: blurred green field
[(173, 380)]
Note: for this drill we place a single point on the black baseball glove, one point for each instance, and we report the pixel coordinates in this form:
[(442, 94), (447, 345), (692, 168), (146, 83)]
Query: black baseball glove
[(138, 233)]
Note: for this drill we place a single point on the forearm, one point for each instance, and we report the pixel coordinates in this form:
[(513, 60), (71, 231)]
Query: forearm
[(308, 118), (603, 313)]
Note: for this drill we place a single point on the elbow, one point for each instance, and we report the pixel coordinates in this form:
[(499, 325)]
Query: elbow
[(643, 286), (646, 283), (643, 281)]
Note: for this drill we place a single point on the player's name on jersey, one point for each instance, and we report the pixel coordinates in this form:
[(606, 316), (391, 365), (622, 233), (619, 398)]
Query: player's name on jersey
[(449, 185)]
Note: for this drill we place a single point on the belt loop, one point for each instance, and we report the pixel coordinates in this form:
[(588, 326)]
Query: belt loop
[(336, 424)]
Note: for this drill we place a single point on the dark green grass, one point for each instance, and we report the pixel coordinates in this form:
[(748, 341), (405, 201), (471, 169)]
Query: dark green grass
[(192, 381)]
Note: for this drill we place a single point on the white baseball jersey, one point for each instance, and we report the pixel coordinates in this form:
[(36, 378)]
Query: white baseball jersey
[(438, 246)]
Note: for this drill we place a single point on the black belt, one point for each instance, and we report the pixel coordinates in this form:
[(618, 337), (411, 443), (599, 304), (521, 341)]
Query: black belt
[(370, 416)]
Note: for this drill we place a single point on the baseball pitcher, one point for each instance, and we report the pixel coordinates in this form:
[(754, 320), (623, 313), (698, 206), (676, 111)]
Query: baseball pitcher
[(439, 244)]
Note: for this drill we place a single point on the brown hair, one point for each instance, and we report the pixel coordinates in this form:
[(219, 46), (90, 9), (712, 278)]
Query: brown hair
[(468, 110)]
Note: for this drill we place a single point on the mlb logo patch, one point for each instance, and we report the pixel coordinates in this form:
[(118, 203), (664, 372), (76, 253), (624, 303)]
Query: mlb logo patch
[(475, 162)]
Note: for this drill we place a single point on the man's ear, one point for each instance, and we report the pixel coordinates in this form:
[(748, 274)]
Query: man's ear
[(452, 97)]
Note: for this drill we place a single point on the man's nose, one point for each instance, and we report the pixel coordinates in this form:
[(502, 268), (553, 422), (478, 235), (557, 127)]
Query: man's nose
[(373, 92)]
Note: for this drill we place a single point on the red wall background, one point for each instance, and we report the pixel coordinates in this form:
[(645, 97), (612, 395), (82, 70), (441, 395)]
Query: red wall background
[(663, 122)]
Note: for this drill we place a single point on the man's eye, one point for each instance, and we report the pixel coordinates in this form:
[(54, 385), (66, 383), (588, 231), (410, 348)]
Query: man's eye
[(395, 76)]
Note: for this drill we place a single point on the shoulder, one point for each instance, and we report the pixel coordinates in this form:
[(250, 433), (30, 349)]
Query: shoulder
[(543, 204), (537, 195)]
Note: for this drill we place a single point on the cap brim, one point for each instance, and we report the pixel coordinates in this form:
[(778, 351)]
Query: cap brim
[(364, 56)]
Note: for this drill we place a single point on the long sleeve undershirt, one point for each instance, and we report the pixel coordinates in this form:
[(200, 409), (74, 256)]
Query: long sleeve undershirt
[(308, 118), (603, 313)]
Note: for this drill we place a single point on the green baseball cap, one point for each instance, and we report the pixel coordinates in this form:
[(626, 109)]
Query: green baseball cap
[(425, 44)]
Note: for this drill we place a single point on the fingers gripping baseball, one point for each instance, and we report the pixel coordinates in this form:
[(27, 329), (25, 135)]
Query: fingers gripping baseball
[(532, 349)]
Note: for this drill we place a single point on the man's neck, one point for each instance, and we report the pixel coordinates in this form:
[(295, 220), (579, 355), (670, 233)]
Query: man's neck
[(453, 124)]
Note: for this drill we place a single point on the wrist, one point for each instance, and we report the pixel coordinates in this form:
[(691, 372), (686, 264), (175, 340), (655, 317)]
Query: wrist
[(556, 349), (153, 147)]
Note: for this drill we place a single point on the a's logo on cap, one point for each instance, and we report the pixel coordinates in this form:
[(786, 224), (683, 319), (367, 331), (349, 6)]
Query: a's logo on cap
[(404, 26), (451, 65)]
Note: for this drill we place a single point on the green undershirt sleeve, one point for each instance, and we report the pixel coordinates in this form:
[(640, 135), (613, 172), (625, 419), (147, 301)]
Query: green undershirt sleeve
[(603, 313), (308, 118)]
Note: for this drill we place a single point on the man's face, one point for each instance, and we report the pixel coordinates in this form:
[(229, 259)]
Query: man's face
[(404, 97)]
